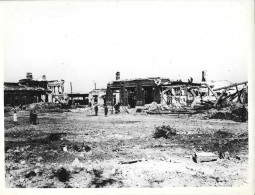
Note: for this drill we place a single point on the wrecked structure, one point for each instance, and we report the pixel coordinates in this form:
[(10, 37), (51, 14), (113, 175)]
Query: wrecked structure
[(29, 90), (97, 96), (26, 91), (57, 91), (79, 98), (185, 97), (134, 92), (174, 94)]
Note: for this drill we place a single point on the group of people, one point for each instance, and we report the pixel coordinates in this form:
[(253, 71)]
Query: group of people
[(116, 108), (32, 117), (105, 110)]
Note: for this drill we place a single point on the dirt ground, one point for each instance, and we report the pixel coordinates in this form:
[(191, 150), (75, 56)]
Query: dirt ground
[(79, 150)]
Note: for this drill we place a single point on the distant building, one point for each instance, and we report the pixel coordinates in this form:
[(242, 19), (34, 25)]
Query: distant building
[(57, 90), (97, 96), (78, 98), (28, 91), (134, 92)]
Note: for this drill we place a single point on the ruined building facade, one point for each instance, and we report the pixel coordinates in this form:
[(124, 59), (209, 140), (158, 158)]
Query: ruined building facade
[(135, 92), (30, 90), (97, 96), (57, 90)]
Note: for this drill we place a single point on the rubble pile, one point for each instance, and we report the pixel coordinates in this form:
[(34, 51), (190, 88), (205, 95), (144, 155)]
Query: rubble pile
[(164, 131), (43, 105), (156, 107), (237, 114), (8, 109)]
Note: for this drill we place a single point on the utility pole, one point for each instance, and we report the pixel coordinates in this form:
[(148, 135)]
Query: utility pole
[(95, 84), (71, 93)]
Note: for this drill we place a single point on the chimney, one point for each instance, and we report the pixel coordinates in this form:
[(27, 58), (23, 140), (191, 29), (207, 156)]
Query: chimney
[(117, 75), (29, 76), (204, 76), (44, 78)]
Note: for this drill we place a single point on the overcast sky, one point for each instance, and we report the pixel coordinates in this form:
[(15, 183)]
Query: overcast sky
[(86, 42)]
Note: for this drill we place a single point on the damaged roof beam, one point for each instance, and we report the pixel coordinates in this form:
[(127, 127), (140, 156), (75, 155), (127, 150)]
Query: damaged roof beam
[(233, 85)]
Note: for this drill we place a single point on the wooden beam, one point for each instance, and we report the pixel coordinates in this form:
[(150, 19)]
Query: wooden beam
[(218, 99), (233, 85), (238, 95), (215, 95)]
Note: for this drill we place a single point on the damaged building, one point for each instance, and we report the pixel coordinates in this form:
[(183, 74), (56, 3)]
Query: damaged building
[(26, 91), (78, 98), (97, 96), (29, 90), (57, 91), (134, 92), (139, 92)]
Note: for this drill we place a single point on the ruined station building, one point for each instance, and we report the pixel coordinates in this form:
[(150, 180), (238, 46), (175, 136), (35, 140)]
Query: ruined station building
[(29, 90), (134, 92)]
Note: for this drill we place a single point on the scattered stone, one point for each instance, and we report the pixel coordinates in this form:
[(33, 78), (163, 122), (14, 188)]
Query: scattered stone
[(76, 162), (164, 131), (224, 155), (204, 157), (30, 174), (22, 162), (6, 148), (138, 110), (65, 149), (76, 148), (219, 179), (27, 147), (76, 170), (37, 170), (21, 180), (39, 159), (80, 155), (48, 185), (86, 148), (238, 157), (67, 185), (130, 162), (38, 165), (62, 174), (54, 136), (76, 185)]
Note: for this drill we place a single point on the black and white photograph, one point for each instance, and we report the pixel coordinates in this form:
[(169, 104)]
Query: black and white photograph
[(128, 95)]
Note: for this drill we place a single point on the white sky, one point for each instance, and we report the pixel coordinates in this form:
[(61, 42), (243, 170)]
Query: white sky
[(90, 41)]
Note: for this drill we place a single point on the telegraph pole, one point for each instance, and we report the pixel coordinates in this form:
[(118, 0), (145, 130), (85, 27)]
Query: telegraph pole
[(71, 92), (95, 84)]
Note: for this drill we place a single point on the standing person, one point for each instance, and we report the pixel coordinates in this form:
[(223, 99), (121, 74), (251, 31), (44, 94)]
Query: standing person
[(31, 117), (105, 110), (117, 108), (96, 110), (15, 117), (244, 114), (34, 117)]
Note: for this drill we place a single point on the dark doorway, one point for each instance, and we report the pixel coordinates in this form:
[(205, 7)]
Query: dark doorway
[(116, 96), (148, 95), (131, 98), (95, 99)]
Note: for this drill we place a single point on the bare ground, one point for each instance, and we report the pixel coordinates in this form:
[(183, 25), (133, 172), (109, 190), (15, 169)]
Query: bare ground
[(120, 151)]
